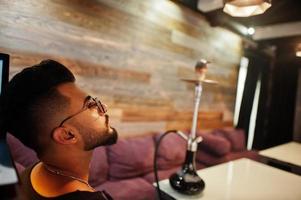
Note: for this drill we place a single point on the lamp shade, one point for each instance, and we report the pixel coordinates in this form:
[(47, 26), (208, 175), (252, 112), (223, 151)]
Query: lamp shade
[(246, 8)]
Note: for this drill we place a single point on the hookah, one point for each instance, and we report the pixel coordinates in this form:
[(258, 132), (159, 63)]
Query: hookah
[(186, 180)]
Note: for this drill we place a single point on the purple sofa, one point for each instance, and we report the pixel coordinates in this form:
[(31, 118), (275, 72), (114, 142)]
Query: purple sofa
[(125, 170)]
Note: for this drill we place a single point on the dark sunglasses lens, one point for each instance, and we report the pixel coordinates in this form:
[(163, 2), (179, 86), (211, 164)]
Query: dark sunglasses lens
[(100, 106), (90, 104)]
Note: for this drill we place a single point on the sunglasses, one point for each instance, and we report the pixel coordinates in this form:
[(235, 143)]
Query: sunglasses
[(89, 103)]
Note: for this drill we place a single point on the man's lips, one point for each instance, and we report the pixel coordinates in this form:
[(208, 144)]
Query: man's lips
[(111, 130)]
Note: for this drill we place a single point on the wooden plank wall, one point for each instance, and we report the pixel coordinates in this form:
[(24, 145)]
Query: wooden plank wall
[(130, 53)]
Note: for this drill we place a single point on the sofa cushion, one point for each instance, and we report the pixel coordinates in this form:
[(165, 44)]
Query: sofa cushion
[(129, 189), (171, 152), (21, 153), (214, 144), (162, 174), (99, 167), (20, 168), (131, 157), (253, 155), (210, 160), (235, 136)]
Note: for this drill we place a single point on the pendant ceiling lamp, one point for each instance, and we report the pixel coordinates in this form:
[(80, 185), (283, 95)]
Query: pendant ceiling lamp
[(246, 8)]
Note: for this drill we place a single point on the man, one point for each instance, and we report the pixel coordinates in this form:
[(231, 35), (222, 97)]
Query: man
[(44, 108)]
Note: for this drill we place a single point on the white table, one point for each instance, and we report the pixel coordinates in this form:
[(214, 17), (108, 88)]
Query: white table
[(243, 179), (289, 153), (8, 174)]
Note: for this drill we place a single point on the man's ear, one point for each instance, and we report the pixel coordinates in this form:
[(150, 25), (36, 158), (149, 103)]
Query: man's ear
[(63, 136)]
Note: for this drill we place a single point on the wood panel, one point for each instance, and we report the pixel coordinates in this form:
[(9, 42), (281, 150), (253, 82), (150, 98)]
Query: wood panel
[(130, 53)]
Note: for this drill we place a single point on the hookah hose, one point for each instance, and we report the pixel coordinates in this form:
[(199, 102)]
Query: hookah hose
[(157, 143)]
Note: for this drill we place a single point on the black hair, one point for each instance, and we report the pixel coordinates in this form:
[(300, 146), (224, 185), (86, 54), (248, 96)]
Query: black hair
[(31, 97)]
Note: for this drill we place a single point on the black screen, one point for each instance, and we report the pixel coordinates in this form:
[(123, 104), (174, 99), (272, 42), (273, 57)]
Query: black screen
[(4, 64), (8, 175)]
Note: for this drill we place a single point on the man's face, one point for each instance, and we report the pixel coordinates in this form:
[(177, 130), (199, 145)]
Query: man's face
[(92, 125)]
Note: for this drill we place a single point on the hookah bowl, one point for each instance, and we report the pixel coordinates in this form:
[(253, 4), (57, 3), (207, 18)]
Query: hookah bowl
[(187, 181)]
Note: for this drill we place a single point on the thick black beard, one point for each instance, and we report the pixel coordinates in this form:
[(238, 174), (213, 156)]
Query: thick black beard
[(113, 137), (112, 134), (109, 138)]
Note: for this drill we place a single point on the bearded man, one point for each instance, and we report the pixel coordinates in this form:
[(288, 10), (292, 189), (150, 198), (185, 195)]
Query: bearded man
[(47, 111)]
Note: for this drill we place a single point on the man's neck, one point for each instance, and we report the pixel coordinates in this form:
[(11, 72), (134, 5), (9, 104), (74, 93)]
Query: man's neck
[(49, 184), (74, 164)]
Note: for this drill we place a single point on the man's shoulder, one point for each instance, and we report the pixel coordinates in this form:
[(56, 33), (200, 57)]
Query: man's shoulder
[(25, 175), (26, 190), (78, 195)]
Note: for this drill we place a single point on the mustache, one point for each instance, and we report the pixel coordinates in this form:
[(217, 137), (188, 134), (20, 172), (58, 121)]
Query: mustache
[(107, 119)]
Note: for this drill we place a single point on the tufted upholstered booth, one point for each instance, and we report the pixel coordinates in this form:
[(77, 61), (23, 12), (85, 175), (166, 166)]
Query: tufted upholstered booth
[(125, 170)]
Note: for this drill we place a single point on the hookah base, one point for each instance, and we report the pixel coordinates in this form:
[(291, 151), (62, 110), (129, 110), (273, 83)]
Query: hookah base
[(187, 183)]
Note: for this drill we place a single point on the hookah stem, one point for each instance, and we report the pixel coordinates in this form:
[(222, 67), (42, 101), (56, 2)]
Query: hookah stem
[(198, 92)]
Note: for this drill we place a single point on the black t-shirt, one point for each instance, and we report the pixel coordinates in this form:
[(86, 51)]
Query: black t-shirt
[(28, 192)]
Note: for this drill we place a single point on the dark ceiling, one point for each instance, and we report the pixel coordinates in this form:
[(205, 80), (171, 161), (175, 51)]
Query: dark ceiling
[(281, 12)]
